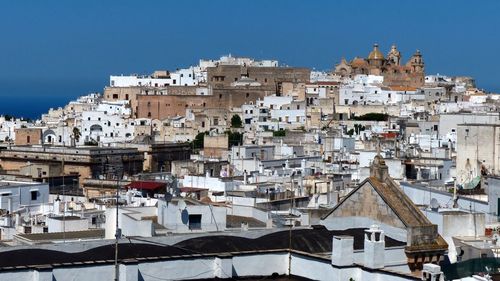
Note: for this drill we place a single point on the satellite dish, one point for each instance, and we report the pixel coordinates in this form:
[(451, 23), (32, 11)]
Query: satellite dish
[(181, 204), (184, 216), (434, 204)]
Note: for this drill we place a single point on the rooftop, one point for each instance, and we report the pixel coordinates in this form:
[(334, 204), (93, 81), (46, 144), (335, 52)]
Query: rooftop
[(317, 240)]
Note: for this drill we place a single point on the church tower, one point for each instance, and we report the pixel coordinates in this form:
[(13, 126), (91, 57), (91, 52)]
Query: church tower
[(394, 56), (416, 63)]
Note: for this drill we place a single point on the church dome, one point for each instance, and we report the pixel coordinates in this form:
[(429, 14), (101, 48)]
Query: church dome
[(376, 54)]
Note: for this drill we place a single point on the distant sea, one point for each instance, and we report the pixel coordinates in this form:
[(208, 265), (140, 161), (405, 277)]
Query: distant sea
[(32, 98)]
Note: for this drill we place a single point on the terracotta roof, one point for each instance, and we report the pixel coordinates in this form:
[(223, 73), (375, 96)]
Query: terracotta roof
[(357, 62)]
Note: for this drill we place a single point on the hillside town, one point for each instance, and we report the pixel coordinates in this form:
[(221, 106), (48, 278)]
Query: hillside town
[(244, 168)]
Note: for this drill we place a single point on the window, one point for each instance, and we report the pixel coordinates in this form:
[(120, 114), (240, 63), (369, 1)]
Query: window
[(194, 222), (34, 195), (115, 96), (28, 139)]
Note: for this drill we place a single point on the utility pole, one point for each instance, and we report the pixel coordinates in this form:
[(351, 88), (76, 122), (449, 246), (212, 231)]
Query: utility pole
[(118, 233), (290, 233)]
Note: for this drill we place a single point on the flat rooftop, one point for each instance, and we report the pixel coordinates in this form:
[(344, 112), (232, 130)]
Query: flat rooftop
[(7, 184)]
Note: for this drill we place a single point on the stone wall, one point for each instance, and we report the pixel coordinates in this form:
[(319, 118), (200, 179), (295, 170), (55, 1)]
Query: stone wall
[(366, 202), (28, 136)]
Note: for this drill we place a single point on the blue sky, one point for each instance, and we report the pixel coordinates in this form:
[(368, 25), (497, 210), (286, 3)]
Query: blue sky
[(62, 42)]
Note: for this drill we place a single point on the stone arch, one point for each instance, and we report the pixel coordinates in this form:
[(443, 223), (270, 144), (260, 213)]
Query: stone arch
[(49, 136), (95, 128)]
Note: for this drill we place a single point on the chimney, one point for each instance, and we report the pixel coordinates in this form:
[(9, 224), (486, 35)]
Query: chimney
[(374, 247), (432, 272), (342, 250)]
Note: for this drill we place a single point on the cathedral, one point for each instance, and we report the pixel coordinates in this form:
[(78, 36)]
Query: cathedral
[(410, 74)]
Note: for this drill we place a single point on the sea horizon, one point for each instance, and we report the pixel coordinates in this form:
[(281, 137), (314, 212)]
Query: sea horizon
[(32, 98)]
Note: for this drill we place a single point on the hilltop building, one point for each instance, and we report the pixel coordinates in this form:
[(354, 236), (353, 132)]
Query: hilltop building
[(393, 70)]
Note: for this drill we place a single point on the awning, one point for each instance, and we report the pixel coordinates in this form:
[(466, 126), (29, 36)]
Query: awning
[(146, 185)]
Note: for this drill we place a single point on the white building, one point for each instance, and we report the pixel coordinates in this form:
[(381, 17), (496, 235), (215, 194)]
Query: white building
[(16, 196), (185, 215), (182, 77)]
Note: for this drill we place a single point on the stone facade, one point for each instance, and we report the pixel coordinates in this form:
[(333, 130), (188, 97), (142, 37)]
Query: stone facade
[(268, 77), (215, 146), (366, 202), (165, 106), (28, 136)]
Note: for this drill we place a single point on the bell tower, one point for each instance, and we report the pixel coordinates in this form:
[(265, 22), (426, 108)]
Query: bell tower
[(394, 56), (417, 63)]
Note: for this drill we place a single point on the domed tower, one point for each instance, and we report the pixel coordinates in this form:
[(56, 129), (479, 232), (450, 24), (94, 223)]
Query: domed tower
[(394, 56), (376, 58), (416, 63)]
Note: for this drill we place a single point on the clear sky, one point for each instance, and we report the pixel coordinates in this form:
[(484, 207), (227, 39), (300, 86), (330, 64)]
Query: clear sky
[(83, 42)]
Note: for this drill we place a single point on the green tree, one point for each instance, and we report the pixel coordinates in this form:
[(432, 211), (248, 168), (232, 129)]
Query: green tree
[(197, 143), (280, 133), (234, 138), (373, 116), (236, 121)]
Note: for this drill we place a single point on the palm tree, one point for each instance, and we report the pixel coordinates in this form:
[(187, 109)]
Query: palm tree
[(76, 134)]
